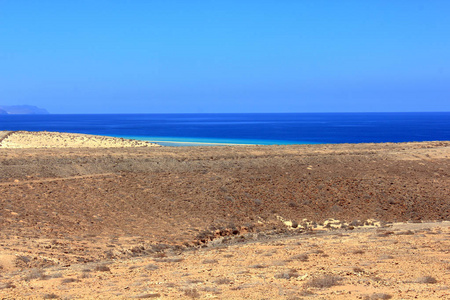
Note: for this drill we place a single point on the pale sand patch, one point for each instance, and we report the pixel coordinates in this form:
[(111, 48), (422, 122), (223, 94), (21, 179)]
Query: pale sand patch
[(44, 139)]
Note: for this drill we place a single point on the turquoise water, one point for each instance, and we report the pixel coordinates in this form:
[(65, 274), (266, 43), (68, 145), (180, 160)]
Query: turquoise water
[(179, 142)]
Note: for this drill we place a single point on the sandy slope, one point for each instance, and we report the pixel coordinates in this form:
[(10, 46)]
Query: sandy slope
[(28, 139), (226, 222)]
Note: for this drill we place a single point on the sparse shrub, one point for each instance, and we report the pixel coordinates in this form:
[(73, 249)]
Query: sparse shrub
[(222, 280), (287, 275), (318, 251), (385, 233), (6, 285), (36, 274), (379, 296), (50, 296), (102, 268), (300, 257), (358, 251), (160, 255), (210, 289), (382, 257), (257, 266), (358, 270), (325, 281), (170, 285), (426, 279), (210, 261), (55, 275), (69, 280), (306, 293), (193, 293), (85, 275), (171, 260), (407, 232), (151, 267), (146, 295)]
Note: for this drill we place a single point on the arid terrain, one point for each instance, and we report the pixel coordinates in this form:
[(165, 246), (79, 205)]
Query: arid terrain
[(113, 218)]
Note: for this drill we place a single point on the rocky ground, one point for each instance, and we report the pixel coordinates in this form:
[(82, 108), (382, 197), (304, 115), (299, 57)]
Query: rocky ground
[(258, 222)]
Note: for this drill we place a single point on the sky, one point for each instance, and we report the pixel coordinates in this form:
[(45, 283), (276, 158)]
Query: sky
[(225, 56)]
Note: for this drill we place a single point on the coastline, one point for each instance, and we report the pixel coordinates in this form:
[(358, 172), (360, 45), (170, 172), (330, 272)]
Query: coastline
[(229, 222)]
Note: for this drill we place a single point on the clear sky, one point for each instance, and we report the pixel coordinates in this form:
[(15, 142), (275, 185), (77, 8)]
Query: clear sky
[(225, 56)]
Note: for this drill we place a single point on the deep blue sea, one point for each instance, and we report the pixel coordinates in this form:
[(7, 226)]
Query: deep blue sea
[(264, 129)]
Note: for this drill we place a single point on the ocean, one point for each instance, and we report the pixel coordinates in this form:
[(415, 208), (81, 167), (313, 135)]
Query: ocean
[(261, 129)]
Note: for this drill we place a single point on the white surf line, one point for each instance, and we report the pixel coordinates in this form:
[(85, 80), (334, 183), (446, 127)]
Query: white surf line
[(200, 143), (19, 182)]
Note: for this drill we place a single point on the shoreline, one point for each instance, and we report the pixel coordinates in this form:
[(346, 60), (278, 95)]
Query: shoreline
[(47, 139)]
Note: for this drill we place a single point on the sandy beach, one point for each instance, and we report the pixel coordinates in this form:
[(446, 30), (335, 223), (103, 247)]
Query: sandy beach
[(132, 219), (28, 139)]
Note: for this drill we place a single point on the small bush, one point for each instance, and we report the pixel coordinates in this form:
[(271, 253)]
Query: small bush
[(358, 270), (160, 255), (50, 296), (146, 295), (6, 285), (171, 260), (69, 280), (358, 252), (222, 280), (102, 268), (210, 261), (151, 267), (36, 274), (300, 257), (193, 293), (325, 281), (257, 266), (286, 275), (85, 275), (213, 290), (379, 296)]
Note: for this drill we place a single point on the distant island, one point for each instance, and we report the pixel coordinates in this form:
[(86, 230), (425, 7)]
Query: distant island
[(22, 110)]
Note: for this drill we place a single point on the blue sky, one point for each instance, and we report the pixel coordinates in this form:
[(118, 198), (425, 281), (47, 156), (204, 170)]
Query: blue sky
[(225, 56)]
